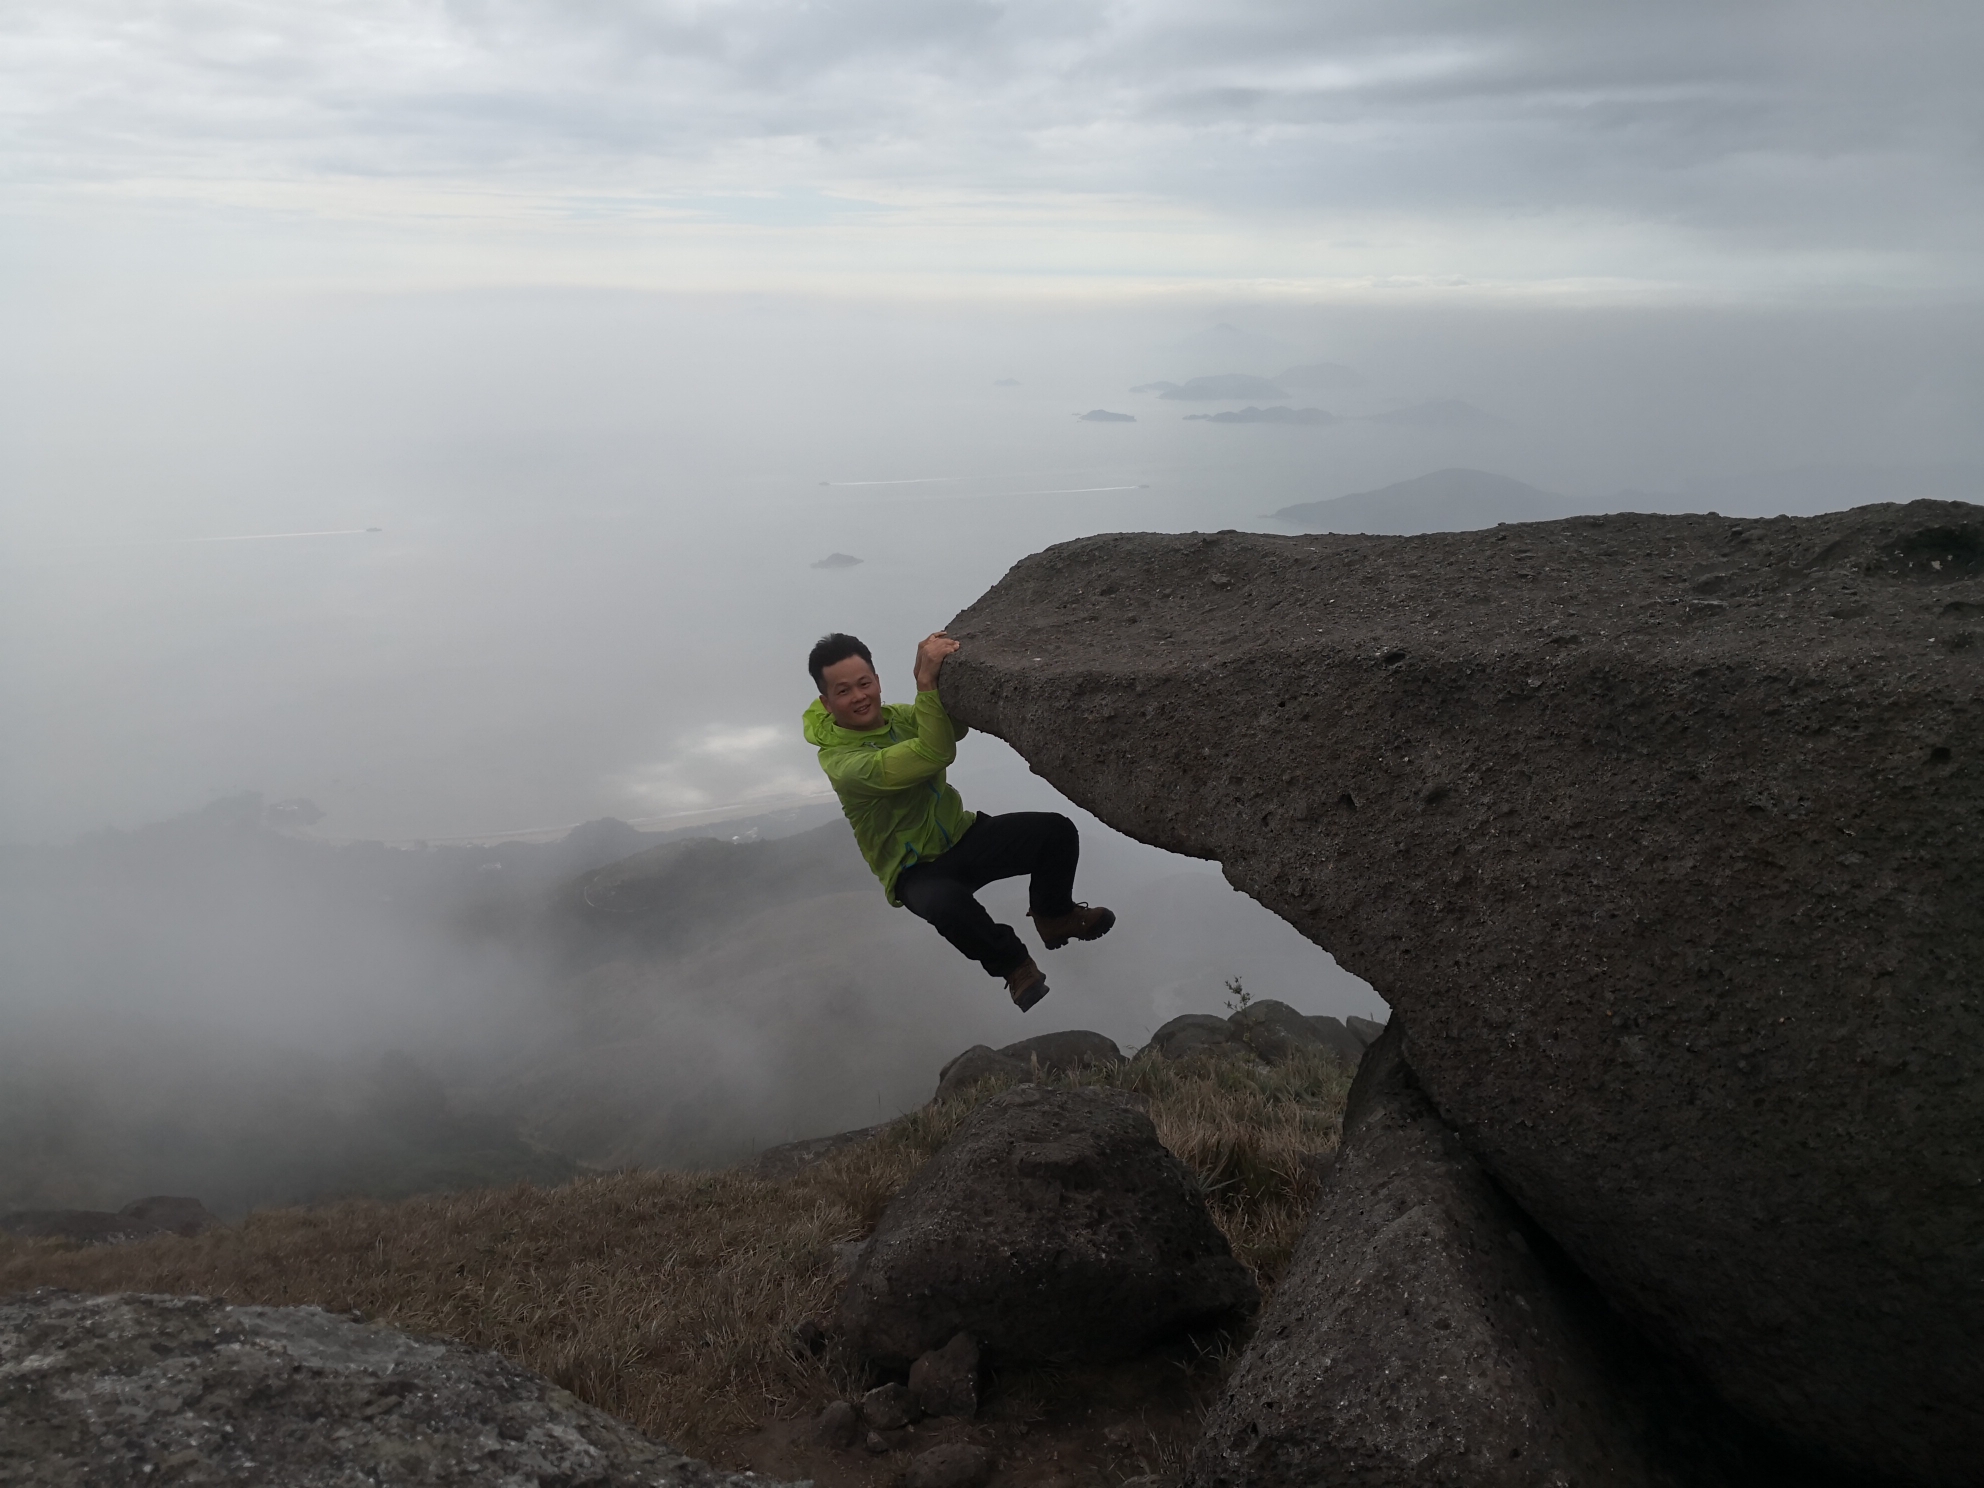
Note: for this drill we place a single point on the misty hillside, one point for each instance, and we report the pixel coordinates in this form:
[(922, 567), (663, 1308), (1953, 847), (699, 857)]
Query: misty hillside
[(217, 1007)]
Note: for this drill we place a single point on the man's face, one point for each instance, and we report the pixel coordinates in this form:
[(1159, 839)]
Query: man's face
[(852, 693)]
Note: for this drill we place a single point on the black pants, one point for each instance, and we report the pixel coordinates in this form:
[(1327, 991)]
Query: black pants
[(940, 889)]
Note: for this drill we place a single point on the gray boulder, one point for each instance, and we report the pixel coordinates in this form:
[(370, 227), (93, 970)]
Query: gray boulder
[(979, 1062), (1054, 1053), (100, 1392), (838, 1426), (1337, 1038), (1273, 1030), (944, 1382), (1072, 1049), (1665, 838), (1196, 1033), (1054, 1227), (889, 1407), (1425, 1333)]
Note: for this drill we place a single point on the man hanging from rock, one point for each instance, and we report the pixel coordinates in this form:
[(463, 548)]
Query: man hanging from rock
[(886, 762)]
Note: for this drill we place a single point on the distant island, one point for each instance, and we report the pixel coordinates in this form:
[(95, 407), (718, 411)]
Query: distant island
[(838, 560), (1104, 416), (1275, 415), (1445, 501)]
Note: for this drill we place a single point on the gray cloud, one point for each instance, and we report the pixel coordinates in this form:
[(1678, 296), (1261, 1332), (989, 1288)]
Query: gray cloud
[(1819, 127)]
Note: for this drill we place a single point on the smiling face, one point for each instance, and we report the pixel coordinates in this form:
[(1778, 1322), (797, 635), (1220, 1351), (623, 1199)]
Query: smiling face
[(852, 693)]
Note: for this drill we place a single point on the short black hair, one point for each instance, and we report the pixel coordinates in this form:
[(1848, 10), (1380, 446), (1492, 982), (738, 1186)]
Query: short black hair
[(831, 648)]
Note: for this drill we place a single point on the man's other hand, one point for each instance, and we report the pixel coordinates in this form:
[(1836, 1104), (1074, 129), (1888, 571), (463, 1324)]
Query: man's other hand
[(930, 659)]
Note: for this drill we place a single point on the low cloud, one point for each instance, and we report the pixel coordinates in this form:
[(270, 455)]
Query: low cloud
[(725, 765), (1644, 144)]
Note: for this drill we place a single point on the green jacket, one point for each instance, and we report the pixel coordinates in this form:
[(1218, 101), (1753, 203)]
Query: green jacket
[(891, 784)]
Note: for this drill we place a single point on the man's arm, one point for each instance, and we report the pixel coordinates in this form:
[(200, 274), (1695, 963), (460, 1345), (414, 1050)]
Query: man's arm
[(930, 656)]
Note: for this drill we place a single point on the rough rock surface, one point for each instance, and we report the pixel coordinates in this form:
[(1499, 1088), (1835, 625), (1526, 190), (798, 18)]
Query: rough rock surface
[(1267, 1030), (889, 1407), (161, 1214), (132, 1389), (1664, 836), (1072, 1048), (1338, 1038), (944, 1382), (1275, 1031), (838, 1426), (979, 1062), (1196, 1033), (1426, 1333), (1052, 1227)]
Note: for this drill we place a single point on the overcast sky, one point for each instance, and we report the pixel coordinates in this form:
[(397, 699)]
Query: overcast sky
[(1689, 150)]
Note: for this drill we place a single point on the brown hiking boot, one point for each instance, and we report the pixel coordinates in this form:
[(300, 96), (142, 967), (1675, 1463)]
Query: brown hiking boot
[(1079, 923), (1027, 983)]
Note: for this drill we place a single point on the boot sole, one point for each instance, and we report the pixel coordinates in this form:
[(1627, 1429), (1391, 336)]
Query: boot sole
[(1107, 924)]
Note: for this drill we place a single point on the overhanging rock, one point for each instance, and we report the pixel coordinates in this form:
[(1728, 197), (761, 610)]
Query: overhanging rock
[(1665, 835)]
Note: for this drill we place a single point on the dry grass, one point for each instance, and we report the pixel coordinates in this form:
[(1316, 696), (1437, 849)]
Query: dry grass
[(669, 1299)]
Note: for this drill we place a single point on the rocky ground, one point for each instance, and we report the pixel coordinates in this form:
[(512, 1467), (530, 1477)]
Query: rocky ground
[(700, 1307)]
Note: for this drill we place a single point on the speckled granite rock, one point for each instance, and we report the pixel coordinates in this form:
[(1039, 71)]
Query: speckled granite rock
[(1665, 837), (131, 1389)]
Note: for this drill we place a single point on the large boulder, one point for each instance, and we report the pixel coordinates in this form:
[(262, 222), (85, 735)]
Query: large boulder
[(1273, 1030), (1196, 1033), (1267, 1030), (1277, 1032), (1053, 1227), (1664, 836), (1046, 1053), (127, 1389), (1070, 1049), (1336, 1036), (979, 1062), (1426, 1332)]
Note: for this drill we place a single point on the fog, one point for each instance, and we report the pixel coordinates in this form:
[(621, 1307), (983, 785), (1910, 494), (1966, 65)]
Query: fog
[(465, 570)]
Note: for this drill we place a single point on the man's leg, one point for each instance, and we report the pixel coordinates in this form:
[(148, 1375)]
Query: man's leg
[(932, 893), (1043, 844)]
